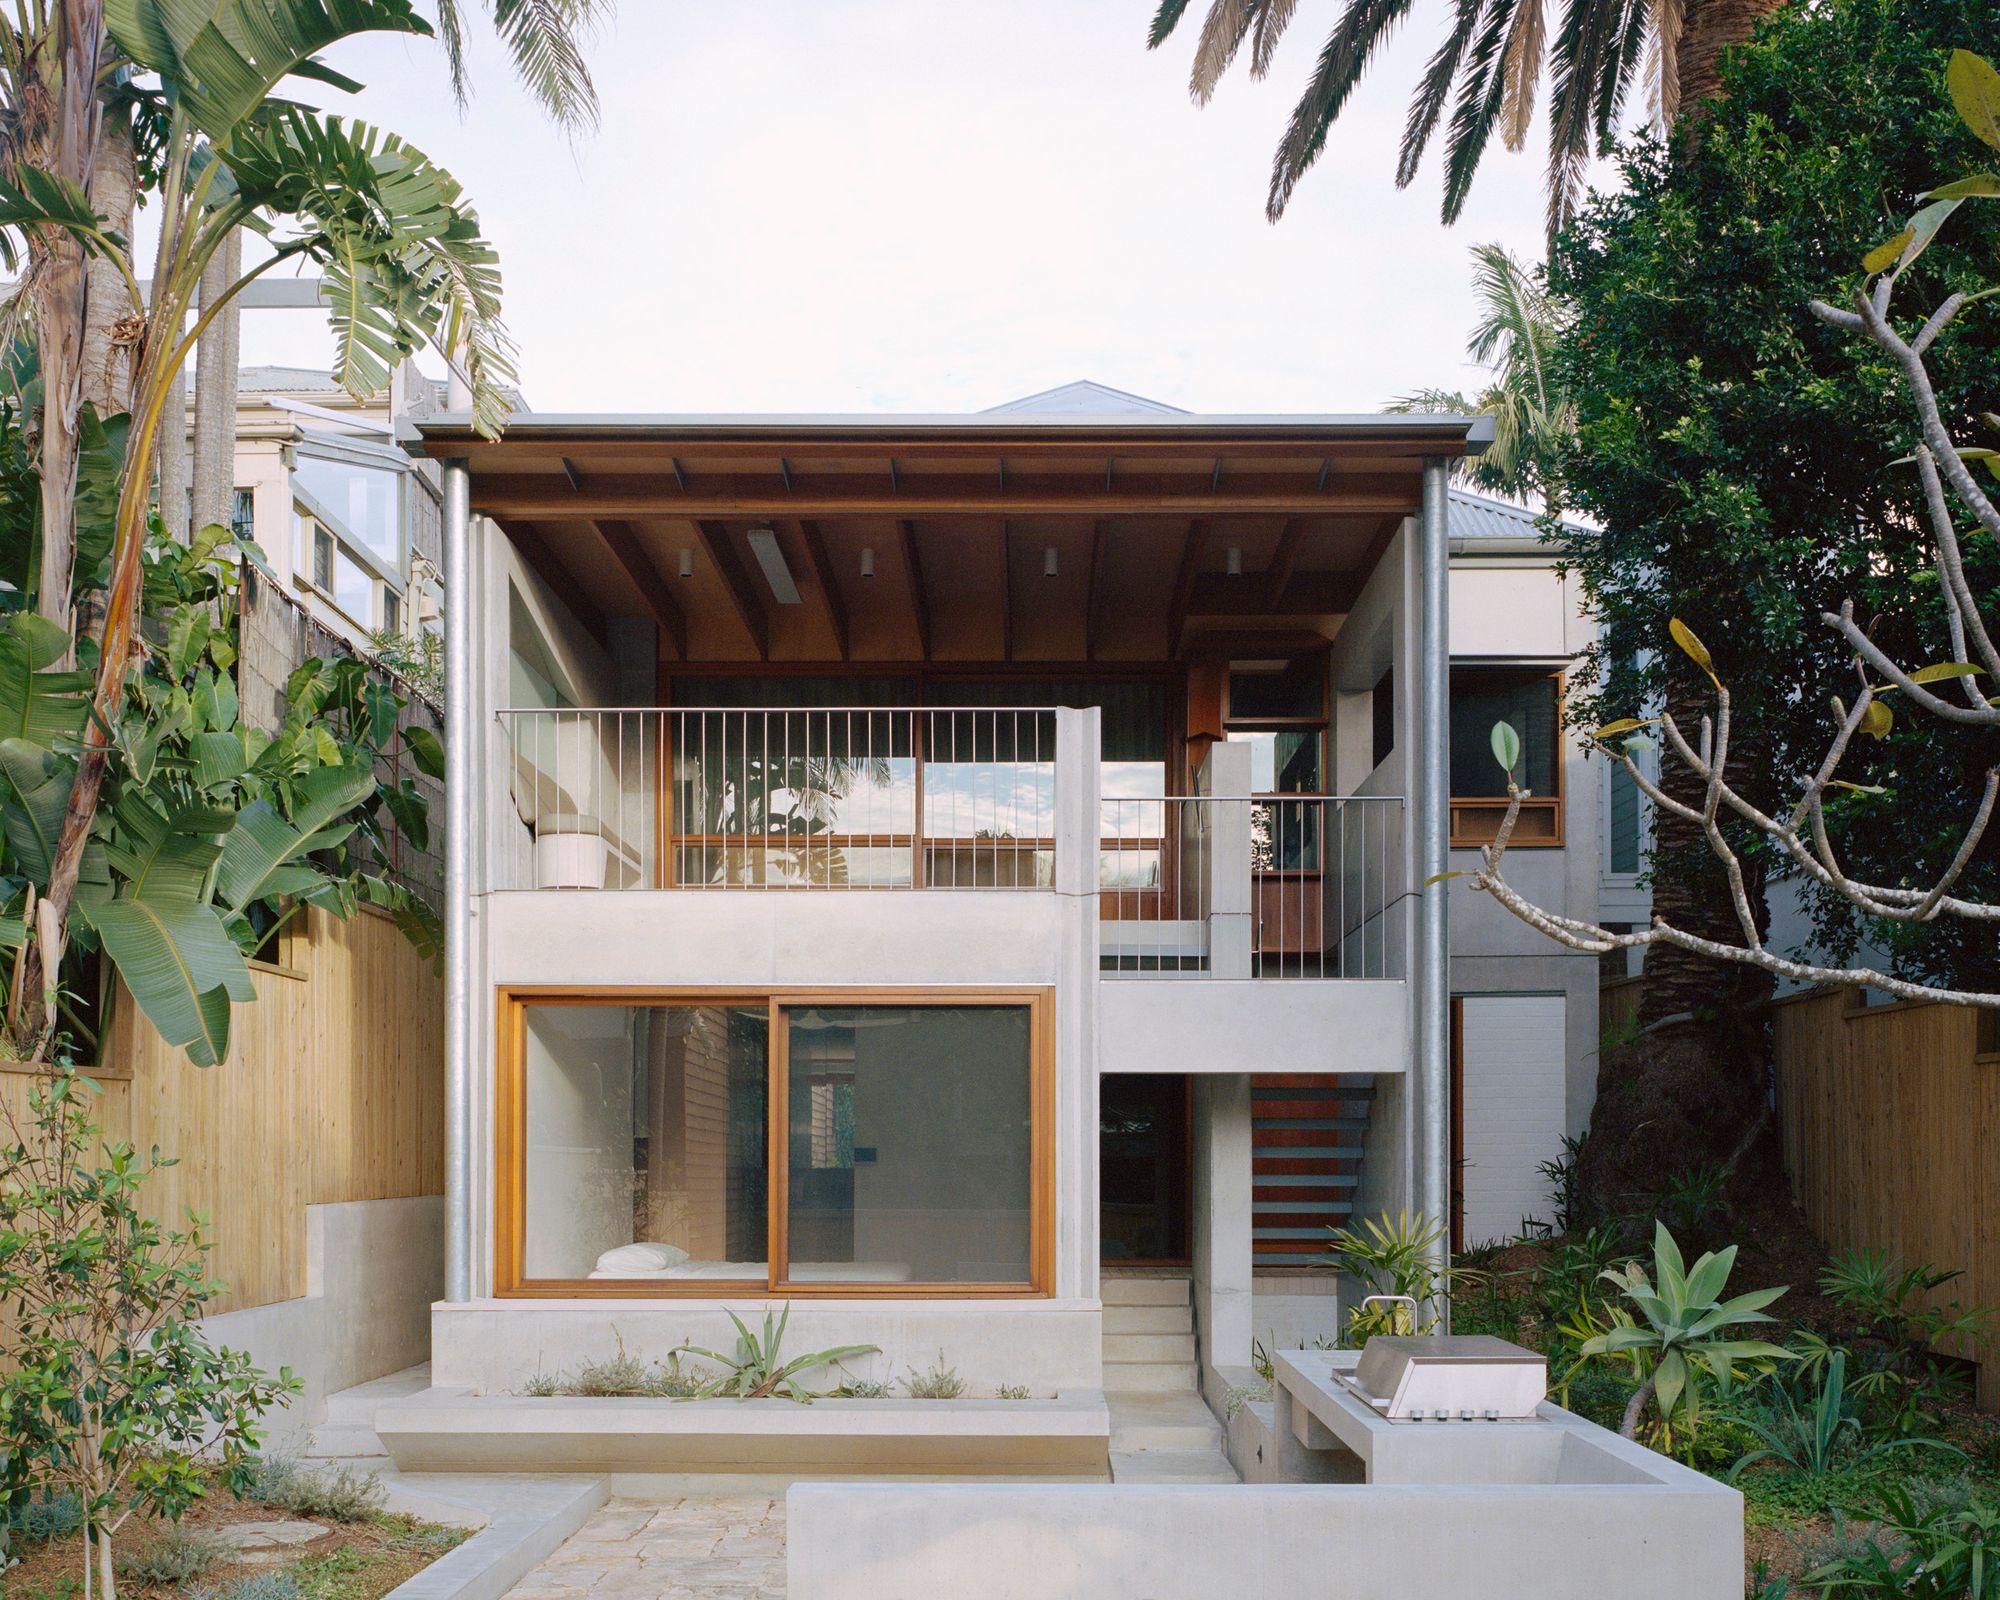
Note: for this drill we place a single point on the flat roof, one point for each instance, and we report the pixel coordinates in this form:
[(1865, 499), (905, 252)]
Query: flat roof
[(1470, 435)]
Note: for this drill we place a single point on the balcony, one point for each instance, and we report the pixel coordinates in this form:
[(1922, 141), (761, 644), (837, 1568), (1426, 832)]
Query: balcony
[(873, 799)]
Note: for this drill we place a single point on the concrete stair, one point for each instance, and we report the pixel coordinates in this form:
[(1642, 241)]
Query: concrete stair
[(348, 1432), (1148, 1336), (1161, 1429)]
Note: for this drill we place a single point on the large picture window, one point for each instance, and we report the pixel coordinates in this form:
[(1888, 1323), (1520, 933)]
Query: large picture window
[(896, 1144)]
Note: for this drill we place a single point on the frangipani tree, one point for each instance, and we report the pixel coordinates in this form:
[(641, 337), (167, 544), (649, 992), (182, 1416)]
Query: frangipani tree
[(1962, 688), (403, 264)]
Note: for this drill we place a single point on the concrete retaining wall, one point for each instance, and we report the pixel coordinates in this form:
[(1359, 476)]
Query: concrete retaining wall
[(1280, 1542), (373, 1267)]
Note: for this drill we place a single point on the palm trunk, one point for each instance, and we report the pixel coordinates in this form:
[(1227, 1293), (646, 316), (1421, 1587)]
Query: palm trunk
[(1709, 27)]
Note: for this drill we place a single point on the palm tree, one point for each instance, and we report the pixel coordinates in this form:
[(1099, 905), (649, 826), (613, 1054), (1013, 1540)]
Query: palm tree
[(1532, 412), (1488, 69)]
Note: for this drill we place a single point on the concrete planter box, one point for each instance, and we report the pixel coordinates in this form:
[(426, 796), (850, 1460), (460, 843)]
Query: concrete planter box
[(445, 1430)]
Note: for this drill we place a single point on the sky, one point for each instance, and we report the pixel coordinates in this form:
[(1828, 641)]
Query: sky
[(930, 205)]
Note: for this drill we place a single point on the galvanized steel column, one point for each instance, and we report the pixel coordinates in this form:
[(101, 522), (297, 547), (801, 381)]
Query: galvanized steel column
[(460, 667), (1433, 818)]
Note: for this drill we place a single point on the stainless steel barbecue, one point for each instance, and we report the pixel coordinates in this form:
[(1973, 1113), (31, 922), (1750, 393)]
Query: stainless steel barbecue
[(1449, 1378)]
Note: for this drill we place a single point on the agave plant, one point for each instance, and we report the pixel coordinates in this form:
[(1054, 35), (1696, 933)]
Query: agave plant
[(758, 1371), (1676, 1318)]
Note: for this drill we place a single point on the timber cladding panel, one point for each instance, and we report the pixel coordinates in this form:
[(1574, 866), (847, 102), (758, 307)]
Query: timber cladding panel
[(333, 1090), (1890, 1116)]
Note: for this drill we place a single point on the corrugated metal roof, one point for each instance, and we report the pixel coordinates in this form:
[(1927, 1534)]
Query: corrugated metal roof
[(286, 380), (1086, 398), (1478, 516)]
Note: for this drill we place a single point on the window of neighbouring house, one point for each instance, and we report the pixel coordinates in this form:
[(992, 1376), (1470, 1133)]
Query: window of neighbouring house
[(792, 1144), (348, 514), (1529, 699), (1622, 830)]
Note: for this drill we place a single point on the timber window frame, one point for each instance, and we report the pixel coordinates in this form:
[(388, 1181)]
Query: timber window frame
[(1475, 819), (510, 1148)]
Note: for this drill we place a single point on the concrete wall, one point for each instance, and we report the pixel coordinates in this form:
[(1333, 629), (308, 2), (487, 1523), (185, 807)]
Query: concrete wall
[(373, 1267), (1257, 1542), (1200, 1025), (1221, 1204)]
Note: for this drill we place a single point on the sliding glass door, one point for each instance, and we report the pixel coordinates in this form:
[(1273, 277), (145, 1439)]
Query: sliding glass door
[(786, 1143)]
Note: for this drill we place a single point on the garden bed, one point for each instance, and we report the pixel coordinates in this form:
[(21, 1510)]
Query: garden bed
[(360, 1557)]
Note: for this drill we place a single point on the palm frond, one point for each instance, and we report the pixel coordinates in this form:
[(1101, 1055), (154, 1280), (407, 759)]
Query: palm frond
[(1482, 94), (1435, 89), (1363, 29), (1522, 68), (1447, 402), (1222, 34), (1663, 67), (1273, 17), (543, 38), (1576, 62), (1165, 20), (451, 34)]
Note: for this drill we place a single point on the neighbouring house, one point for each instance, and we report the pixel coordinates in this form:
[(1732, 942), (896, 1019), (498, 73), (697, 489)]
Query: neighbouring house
[(928, 870), (348, 523), (1524, 1009)]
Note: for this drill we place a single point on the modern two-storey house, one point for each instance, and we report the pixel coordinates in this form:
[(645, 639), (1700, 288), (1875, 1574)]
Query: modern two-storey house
[(928, 869)]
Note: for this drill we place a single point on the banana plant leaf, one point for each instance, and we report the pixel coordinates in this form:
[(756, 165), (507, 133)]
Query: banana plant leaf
[(36, 704), (261, 855), (34, 789), (219, 60)]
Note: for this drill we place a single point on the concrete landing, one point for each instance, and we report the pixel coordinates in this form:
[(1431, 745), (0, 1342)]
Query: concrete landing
[(1166, 1438)]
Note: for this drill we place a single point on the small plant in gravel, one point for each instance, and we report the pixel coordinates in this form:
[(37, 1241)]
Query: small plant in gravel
[(938, 1382), (275, 1584), (176, 1555), (543, 1386), (1011, 1391), (337, 1493), (865, 1389), (47, 1516)]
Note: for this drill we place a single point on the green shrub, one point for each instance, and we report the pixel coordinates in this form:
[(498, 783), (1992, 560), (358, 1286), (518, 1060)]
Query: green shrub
[(178, 1554), (865, 1389), (1011, 1391), (338, 1493)]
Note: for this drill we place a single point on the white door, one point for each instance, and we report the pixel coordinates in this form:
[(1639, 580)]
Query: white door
[(1511, 1110)]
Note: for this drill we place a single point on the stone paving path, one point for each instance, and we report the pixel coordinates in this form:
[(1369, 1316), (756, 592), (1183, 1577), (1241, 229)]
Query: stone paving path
[(700, 1547)]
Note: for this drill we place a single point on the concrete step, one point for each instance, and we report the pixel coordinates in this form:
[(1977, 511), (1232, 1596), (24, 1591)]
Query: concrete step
[(357, 1405), (1119, 1291), (349, 1428), (1171, 1466), (1148, 1377), (1166, 1422), (1148, 1319), (1149, 1347)]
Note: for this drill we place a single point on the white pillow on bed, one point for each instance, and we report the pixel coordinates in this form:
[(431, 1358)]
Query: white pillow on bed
[(641, 1258)]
